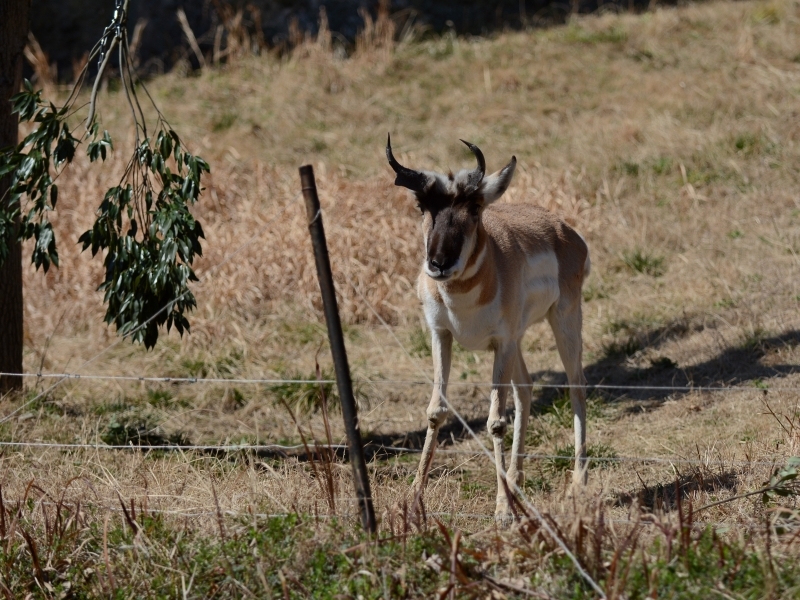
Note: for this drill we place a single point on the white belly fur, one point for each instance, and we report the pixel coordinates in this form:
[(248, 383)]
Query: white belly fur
[(503, 319)]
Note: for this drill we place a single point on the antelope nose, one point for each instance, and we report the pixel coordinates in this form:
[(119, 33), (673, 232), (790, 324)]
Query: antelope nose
[(436, 264)]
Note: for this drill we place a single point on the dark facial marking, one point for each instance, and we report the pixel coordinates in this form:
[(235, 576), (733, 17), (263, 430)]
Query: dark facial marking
[(452, 226)]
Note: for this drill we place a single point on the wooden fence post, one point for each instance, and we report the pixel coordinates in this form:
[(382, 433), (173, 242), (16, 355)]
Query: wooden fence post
[(341, 367)]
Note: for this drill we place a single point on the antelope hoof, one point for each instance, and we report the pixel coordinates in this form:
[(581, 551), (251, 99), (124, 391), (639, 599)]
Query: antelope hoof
[(503, 517), (580, 477)]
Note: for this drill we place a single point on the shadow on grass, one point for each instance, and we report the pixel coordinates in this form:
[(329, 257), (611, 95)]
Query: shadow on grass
[(664, 496), (734, 366)]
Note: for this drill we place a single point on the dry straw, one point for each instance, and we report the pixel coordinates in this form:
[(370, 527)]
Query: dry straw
[(620, 126)]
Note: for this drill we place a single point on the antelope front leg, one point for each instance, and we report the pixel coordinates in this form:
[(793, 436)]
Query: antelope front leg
[(441, 349), (522, 409), (504, 363)]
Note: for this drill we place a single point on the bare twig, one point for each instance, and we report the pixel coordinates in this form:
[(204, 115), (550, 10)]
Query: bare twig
[(768, 488), (187, 31), (112, 44)]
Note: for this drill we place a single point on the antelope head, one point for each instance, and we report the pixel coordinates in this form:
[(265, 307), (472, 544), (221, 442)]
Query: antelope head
[(451, 206)]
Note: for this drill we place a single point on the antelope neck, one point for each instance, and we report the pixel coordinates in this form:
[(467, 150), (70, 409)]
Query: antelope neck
[(476, 271)]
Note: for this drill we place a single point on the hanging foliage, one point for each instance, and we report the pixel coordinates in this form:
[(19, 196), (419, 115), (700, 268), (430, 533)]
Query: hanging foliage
[(144, 225)]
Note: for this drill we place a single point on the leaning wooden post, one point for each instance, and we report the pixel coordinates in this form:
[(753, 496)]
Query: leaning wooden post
[(343, 381)]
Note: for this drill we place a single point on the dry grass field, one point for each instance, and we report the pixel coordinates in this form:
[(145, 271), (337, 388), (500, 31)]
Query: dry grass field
[(670, 140)]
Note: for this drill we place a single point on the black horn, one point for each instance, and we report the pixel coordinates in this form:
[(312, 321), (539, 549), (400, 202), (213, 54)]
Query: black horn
[(481, 170), (476, 175), (408, 178)]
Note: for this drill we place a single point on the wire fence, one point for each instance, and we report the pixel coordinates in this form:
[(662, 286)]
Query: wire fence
[(759, 387), (379, 449), (213, 511)]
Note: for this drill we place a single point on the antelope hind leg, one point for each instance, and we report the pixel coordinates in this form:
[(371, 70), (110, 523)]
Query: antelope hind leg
[(566, 324)]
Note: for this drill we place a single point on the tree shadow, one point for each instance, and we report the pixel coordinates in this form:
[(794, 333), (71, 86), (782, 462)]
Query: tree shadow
[(382, 446), (66, 30), (664, 496), (733, 366), (377, 446)]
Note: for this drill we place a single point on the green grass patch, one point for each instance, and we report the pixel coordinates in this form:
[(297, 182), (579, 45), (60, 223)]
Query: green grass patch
[(560, 410), (139, 554), (662, 165), (306, 398), (595, 291), (726, 303), (420, 342), (224, 121), (164, 399), (747, 144), (630, 168), (537, 484), (767, 14), (754, 340), (140, 430), (194, 367), (304, 332), (645, 262), (559, 465), (475, 489)]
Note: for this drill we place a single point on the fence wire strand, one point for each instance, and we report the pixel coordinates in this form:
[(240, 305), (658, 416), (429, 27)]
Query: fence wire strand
[(380, 448), (415, 382), (564, 518)]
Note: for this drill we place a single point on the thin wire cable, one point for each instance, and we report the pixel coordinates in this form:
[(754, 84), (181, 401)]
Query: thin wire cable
[(513, 484), (269, 381), (203, 279), (381, 448), (212, 512)]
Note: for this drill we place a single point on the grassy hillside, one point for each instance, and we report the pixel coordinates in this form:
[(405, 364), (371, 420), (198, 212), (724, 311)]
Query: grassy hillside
[(670, 140)]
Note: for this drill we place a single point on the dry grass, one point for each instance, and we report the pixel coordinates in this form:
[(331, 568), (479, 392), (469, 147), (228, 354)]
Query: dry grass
[(667, 136)]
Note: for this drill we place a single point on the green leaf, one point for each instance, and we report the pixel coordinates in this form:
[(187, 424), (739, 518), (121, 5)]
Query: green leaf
[(98, 148)]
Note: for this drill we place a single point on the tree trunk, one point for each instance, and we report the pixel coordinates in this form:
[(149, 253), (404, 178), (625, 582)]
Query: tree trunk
[(13, 34)]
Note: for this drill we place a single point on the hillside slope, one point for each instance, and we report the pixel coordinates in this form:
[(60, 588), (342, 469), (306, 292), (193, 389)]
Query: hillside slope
[(670, 140)]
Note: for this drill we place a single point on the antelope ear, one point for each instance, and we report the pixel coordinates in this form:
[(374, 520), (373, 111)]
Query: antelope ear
[(493, 186)]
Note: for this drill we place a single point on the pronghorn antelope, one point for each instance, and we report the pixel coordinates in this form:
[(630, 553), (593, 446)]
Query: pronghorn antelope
[(489, 272)]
